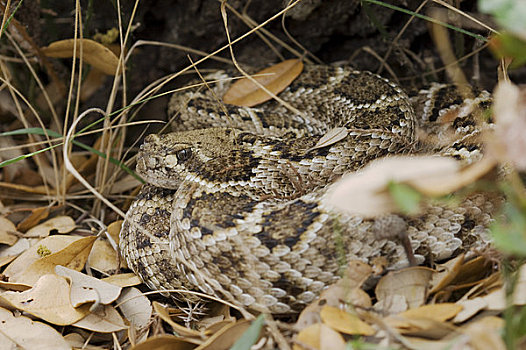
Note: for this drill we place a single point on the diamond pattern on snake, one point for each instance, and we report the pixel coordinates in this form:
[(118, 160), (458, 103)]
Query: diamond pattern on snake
[(235, 201)]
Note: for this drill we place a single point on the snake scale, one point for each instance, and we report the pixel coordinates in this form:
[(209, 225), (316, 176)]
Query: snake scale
[(235, 201)]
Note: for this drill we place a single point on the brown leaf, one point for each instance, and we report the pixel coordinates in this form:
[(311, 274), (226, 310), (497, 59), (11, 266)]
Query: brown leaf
[(93, 53), (319, 336), (330, 339), (85, 289), (162, 312), (42, 258), (136, 307), (365, 192), (123, 279), (410, 283), (61, 224), (163, 342), (276, 78), (7, 232), (436, 312), (103, 257), (37, 215), (48, 300), (344, 322), (331, 137), (104, 320), (226, 337), (20, 332)]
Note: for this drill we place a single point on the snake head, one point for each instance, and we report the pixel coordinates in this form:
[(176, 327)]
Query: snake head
[(167, 160)]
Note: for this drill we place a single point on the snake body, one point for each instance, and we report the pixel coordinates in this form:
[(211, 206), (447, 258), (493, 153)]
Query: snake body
[(234, 204)]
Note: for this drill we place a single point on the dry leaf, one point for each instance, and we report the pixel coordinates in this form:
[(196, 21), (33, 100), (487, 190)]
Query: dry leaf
[(509, 110), (486, 333), (446, 273), (29, 266), (346, 291), (48, 299), (365, 192), (226, 337), (86, 289), (7, 232), (181, 330), (93, 82), (163, 342), (276, 78), (410, 283), (37, 215), (435, 312), (123, 279), (318, 336), (36, 251), (103, 257), (330, 339), (136, 307), (93, 53), (114, 229), (20, 332), (105, 319), (344, 322), (469, 309), (331, 137), (61, 224)]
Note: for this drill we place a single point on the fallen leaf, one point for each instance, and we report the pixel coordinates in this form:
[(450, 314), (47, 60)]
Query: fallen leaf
[(346, 291), (61, 224), (435, 312), (114, 229), (226, 337), (318, 336), (275, 78), (470, 308), (330, 339), (105, 319), (331, 137), (29, 266), (20, 332), (37, 215), (7, 232), (177, 328), (86, 289), (344, 322), (93, 53), (20, 246), (48, 300), (91, 84), (123, 279), (136, 307), (366, 192), (486, 333), (445, 273), (410, 283), (164, 342), (103, 257)]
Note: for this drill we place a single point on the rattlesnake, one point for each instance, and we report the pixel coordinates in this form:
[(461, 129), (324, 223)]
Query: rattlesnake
[(234, 204)]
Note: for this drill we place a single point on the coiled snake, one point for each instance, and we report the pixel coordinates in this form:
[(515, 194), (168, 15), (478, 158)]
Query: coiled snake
[(234, 203)]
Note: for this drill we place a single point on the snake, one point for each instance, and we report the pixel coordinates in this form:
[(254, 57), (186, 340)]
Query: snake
[(235, 200)]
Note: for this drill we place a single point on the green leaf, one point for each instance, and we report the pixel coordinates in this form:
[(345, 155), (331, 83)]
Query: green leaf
[(509, 233), (509, 14), (250, 336), (508, 45), (405, 197)]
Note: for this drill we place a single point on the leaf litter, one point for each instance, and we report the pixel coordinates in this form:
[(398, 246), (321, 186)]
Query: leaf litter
[(44, 280)]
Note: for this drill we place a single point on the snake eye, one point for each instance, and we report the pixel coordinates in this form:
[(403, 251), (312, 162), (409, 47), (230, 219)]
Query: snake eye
[(184, 154)]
